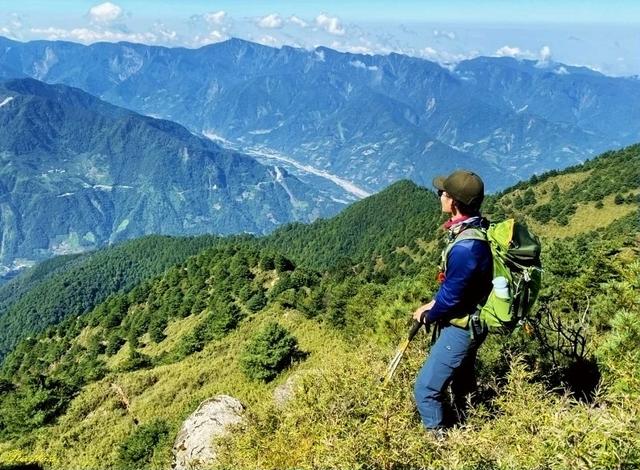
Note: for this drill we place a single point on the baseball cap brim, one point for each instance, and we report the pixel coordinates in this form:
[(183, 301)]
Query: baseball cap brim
[(438, 182)]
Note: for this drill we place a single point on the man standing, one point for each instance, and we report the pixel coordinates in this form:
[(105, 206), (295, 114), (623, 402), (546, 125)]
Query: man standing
[(466, 273)]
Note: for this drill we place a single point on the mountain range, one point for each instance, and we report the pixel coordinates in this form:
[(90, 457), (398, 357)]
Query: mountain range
[(77, 173), (370, 119), (109, 142)]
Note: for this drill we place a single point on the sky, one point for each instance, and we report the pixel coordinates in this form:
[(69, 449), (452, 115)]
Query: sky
[(603, 35)]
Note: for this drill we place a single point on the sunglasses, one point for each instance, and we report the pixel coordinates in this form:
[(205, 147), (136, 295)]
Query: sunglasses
[(440, 192)]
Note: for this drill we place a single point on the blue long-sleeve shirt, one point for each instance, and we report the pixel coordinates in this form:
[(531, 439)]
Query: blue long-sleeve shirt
[(469, 271)]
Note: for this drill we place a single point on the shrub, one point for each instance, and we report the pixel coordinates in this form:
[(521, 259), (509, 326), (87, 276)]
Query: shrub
[(192, 342), (135, 361), (340, 417), (114, 342), (156, 328), (283, 264), (271, 350), (136, 451), (257, 301), (223, 317)]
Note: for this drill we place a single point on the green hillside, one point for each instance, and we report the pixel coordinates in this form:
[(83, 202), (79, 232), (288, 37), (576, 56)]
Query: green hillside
[(14, 289), (72, 285), (565, 396), (404, 214)]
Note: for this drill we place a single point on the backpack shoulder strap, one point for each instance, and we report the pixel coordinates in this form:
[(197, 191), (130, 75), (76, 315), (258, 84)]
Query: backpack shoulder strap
[(471, 233), (468, 233)]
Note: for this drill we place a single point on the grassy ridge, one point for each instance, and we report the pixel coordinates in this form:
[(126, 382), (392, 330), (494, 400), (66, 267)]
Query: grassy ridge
[(340, 417), (575, 200)]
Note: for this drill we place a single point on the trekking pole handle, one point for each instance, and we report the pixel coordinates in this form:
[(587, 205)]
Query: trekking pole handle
[(415, 327)]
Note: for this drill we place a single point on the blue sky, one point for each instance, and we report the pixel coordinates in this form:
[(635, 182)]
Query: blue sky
[(598, 34)]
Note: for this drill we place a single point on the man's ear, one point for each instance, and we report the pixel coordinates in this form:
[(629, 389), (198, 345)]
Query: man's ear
[(454, 208)]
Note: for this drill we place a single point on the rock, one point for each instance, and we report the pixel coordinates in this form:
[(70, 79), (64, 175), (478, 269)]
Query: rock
[(285, 391), (194, 447)]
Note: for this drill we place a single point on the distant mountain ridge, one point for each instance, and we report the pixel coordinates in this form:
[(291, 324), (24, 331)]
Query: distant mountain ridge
[(369, 119), (77, 173)]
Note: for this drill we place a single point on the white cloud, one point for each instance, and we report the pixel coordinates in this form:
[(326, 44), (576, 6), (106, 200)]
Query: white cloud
[(429, 52), (14, 26), (272, 21), (360, 50), (444, 58), (268, 40), (544, 57), (215, 17), (210, 38), (298, 21), (87, 35), (331, 24), (105, 13), (164, 33), (361, 65), (16, 21), (545, 54), (508, 51), (445, 34)]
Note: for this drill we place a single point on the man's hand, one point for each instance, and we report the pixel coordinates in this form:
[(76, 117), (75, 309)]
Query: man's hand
[(417, 314)]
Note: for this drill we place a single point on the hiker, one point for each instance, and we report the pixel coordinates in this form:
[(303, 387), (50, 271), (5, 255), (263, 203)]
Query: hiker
[(465, 276)]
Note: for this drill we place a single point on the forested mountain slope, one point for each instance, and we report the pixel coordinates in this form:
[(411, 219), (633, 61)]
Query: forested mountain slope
[(72, 285), (567, 396), (374, 228), (77, 173)]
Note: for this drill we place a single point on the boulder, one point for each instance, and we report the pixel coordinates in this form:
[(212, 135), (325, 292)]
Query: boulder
[(285, 391), (194, 447)]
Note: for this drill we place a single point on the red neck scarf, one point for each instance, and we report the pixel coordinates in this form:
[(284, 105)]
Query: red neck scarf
[(454, 221)]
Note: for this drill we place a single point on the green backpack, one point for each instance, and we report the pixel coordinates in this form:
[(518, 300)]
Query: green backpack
[(516, 257)]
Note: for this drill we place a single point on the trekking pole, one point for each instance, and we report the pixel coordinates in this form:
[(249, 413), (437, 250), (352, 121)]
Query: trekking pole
[(393, 365)]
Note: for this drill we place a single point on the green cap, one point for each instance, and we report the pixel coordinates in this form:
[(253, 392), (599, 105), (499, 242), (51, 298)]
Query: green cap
[(462, 185)]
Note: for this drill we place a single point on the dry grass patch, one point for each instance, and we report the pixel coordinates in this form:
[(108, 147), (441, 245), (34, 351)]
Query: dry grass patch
[(586, 218), (564, 182)]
